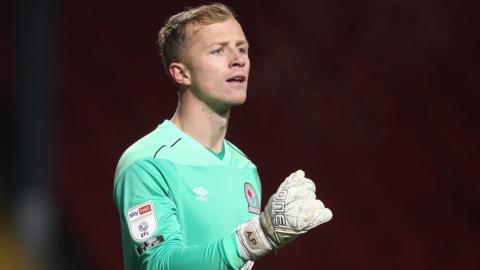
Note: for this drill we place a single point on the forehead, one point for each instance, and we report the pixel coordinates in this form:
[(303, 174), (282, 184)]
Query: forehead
[(205, 34)]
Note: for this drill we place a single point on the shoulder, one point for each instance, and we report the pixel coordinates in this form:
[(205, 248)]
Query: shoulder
[(235, 148), (147, 147), (237, 155)]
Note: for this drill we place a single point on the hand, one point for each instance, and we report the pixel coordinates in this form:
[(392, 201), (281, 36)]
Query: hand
[(291, 211)]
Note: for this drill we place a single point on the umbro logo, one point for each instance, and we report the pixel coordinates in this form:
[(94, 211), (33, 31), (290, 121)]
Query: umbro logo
[(202, 193)]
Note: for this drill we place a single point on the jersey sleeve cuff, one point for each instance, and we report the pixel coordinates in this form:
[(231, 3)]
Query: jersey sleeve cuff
[(233, 252)]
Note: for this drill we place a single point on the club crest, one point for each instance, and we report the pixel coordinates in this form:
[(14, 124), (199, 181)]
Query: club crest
[(252, 199)]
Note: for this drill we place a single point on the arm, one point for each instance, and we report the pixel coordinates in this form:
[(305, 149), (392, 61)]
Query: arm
[(291, 211), (143, 196)]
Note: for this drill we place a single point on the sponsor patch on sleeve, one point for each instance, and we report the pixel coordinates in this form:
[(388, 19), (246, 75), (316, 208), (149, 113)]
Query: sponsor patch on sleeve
[(142, 221)]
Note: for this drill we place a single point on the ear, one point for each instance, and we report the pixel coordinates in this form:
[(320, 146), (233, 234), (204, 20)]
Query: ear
[(179, 73)]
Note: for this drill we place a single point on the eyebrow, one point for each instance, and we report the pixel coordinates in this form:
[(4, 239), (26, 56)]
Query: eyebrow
[(225, 43)]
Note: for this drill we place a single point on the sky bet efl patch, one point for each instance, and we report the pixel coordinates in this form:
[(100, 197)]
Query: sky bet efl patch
[(142, 221)]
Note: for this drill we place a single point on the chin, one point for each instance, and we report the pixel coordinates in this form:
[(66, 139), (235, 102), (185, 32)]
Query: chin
[(239, 100), (225, 105)]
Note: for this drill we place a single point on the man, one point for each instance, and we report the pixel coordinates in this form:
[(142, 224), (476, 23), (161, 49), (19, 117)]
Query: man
[(188, 198)]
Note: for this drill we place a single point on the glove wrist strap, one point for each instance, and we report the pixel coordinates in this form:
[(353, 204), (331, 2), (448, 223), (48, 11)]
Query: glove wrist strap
[(252, 240)]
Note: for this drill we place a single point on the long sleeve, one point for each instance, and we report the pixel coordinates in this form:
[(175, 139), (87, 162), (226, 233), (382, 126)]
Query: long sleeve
[(151, 233)]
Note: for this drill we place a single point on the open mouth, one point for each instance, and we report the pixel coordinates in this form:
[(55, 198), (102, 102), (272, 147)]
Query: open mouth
[(238, 78)]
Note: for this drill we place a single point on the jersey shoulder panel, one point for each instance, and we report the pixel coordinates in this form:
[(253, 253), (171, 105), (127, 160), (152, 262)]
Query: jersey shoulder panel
[(167, 142), (147, 147), (238, 157)]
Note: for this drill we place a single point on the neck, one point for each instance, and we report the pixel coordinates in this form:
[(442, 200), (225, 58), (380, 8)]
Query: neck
[(200, 122)]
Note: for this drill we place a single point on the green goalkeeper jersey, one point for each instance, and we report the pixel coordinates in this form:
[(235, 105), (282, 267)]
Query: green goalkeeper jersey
[(180, 203)]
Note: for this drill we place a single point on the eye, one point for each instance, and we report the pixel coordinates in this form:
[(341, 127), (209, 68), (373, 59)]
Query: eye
[(243, 50), (217, 51)]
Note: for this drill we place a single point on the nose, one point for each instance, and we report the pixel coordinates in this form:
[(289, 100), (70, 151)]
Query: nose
[(238, 59)]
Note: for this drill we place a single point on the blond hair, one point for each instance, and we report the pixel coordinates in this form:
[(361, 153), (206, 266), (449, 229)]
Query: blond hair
[(173, 37)]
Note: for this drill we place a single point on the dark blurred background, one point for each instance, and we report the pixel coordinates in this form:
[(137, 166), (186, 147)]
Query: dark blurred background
[(376, 100)]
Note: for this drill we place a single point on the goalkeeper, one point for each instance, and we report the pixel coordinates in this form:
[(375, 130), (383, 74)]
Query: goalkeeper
[(188, 198)]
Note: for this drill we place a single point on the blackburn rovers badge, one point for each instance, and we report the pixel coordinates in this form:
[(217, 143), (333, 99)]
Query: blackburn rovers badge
[(252, 199)]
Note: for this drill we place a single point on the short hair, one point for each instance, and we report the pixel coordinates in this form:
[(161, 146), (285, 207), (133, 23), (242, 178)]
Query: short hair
[(173, 36)]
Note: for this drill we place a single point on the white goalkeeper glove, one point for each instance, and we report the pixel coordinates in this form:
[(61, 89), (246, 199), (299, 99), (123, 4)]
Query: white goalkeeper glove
[(291, 211)]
